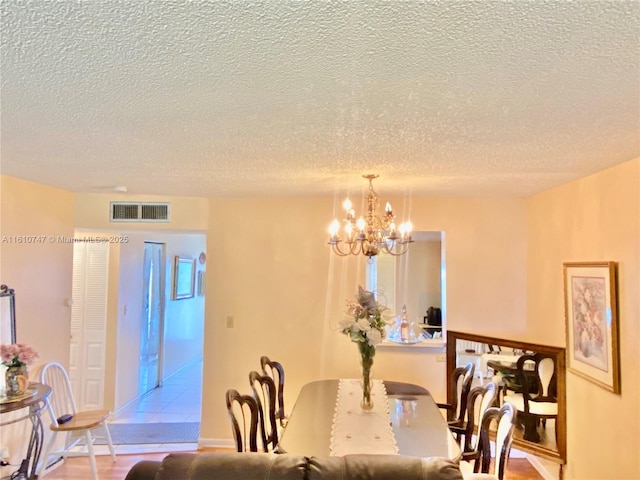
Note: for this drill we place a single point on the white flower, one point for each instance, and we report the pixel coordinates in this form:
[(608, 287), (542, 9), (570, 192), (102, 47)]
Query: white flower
[(374, 336), (347, 323), (363, 325), (388, 317)]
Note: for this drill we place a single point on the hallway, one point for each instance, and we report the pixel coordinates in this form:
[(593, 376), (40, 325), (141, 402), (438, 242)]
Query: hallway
[(177, 400)]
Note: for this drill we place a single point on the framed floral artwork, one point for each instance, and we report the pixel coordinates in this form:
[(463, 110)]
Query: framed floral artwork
[(591, 313), (184, 274)]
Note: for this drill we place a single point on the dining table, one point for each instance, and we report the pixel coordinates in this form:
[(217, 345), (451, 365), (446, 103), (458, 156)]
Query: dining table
[(33, 402), (418, 425)]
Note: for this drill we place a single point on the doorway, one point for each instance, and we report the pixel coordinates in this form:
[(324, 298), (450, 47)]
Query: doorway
[(152, 318)]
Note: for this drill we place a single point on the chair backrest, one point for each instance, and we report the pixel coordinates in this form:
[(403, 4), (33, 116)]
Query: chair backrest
[(505, 417), (480, 399), (264, 392), (61, 400), (460, 386), (276, 372), (541, 387), (243, 413)]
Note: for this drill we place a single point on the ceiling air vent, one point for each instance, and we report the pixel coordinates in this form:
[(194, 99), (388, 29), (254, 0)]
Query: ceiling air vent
[(139, 212)]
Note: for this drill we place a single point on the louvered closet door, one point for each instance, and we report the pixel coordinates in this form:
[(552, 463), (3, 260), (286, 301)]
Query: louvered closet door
[(89, 323)]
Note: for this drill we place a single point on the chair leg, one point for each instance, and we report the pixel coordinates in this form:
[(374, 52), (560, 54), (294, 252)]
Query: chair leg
[(92, 457), (107, 434), (44, 458)]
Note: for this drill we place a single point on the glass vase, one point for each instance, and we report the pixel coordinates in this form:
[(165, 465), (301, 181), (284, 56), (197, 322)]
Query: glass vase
[(366, 359), (16, 380)]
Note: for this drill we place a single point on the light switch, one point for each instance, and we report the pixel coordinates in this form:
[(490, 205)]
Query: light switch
[(230, 321)]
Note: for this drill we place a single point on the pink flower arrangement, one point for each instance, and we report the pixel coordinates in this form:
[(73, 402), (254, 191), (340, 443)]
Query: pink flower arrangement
[(17, 355)]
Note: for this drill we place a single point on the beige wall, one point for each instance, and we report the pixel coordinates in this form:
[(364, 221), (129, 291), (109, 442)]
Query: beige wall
[(91, 210), (287, 292), (41, 275), (596, 218), (40, 272)]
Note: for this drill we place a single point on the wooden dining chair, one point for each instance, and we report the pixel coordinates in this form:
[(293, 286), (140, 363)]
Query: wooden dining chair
[(480, 399), (243, 414), (459, 388), (537, 399), (264, 392), (67, 419), (504, 417), (276, 372)]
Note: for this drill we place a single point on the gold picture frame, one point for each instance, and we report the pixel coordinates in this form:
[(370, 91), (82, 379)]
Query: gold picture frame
[(591, 314), (184, 274)]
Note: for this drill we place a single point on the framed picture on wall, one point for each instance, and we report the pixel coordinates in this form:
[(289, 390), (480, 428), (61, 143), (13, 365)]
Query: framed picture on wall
[(184, 273), (591, 313)]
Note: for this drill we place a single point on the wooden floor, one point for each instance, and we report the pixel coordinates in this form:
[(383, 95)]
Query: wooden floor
[(78, 468)]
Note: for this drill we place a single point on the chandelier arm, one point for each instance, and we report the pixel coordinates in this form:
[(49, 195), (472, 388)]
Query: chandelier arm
[(353, 247), (398, 253)]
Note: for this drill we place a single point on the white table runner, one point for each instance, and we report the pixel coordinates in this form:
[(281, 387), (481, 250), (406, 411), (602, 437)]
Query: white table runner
[(355, 431)]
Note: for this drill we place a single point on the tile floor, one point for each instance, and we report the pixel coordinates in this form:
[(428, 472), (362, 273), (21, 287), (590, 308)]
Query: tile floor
[(177, 400)]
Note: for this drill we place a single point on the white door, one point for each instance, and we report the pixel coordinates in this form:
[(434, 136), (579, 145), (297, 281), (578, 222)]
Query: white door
[(151, 325), (89, 323)]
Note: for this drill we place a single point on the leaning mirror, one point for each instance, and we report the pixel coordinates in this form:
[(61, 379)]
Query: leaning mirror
[(516, 368), (7, 315)]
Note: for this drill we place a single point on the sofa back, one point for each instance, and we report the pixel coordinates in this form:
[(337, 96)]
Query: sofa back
[(269, 466), (232, 466)]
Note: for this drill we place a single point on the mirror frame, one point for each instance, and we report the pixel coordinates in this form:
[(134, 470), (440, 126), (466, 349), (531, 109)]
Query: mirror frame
[(561, 422), (5, 291)]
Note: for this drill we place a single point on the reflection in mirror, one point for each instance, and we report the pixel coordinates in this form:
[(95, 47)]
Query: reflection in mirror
[(415, 281), (528, 376), (7, 315)]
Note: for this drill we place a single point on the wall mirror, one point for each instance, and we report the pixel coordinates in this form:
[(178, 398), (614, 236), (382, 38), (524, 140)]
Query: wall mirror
[(7, 315), (496, 359)]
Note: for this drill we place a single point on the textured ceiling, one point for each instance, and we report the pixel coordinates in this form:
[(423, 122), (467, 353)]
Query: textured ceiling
[(220, 98)]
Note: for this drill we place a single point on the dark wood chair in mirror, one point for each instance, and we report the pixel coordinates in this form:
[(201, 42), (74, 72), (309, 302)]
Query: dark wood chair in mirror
[(537, 398)]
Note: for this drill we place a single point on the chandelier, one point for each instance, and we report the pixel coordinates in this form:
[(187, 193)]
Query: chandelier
[(370, 234)]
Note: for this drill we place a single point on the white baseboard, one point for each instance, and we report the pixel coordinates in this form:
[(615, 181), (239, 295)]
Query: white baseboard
[(542, 468), (216, 443)]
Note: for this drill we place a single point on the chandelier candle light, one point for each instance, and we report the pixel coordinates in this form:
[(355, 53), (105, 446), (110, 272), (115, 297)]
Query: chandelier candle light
[(370, 234)]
